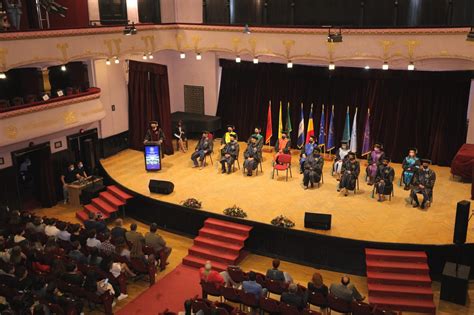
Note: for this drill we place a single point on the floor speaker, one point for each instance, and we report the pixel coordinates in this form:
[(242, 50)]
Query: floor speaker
[(161, 186), (317, 221), (455, 283), (462, 218)]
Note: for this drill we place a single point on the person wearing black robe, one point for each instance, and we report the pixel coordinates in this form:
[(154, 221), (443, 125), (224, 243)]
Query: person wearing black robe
[(384, 179), (350, 172), (313, 168), (252, 155), (203, 148), (230, 152), (423, 182)]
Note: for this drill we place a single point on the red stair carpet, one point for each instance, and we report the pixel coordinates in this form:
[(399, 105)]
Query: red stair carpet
[(399, 280), (106, 204), (220, 242), (168, 293)]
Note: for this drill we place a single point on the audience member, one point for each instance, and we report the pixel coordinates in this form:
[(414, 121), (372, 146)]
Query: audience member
[(74, 229), (72, 275), (50, 228), (23, 280), (63, 234), (132, 235), (292, 297), (252, 286), (94, 223), (16, 256), (345, 290), (121, 249), (76, 253), (92, 241), (316, 285), (276, 274), (37, 226), (118, 231), (106, 247), (155, 241), (94, 259)]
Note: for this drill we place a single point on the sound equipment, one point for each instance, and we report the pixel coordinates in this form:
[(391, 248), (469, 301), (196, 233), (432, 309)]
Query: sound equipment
[(455, 283), (462, 219), (91, 192), (161, 186), (317, 221)]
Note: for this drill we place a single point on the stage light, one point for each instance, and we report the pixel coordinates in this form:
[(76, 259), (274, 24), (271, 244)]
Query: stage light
[(246, 29), (130, 30), (332, 66), (145, 57), (255, 60), (3, 76), (385, 66), (198, 56), (367, 67), (289, 64), (116, 60), (237, 59), (107, 62), (334, 37), (411, 66), (470, 35), (63, 68), (182, 55), (150, 56)]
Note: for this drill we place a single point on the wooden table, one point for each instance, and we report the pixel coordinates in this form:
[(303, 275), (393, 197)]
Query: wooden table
[(75, 189)]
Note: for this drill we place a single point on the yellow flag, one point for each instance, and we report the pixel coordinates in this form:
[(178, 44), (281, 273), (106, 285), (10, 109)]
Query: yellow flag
[(280, 123)]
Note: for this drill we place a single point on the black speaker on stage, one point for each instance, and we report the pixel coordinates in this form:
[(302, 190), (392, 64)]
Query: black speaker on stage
[(317, 221), (462, 218), (455, 283), (161, 186)]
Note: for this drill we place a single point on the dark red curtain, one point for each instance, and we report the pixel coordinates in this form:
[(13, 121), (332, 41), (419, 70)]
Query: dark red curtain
[(427, 110), (149, 99)]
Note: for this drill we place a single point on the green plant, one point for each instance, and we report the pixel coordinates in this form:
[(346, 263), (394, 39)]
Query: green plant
[(192, 203), (235, 211), (283, 221)]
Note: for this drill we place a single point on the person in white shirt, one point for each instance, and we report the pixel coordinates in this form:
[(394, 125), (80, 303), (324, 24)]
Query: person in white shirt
[(50, 229), (92, 241), (63, 234)]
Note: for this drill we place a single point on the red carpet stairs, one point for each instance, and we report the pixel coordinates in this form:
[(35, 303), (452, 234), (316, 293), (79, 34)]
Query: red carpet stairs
[(399, 280), (219, 241), (106, 204)]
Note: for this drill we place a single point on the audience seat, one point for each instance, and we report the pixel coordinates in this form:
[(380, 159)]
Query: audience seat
[(236, 274), (287, 309), (338, 305), (269, 305), (203, 305), (361, 308), (18, 100), (4, 103), (308, 311), (209, 288), (317, 299), (275, 287), (249, 300), (231, 294)]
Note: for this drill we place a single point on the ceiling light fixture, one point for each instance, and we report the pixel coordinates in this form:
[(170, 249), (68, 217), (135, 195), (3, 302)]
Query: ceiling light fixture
[(198, 56), (63, 68), (332, 66), (145, 57), (289, 64), (367, 67), (182, 55), (150, 55), (107, 62), (116, 60), (237, 59), (385, 66), (3, 76), (255, 60), (411, 66)]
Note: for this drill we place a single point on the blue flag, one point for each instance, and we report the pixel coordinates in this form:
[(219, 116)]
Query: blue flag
[(346, 135), (322, 133), (331, 145), (301, 139)]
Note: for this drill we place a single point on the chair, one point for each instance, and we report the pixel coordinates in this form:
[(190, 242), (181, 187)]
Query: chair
[(275, 287), (269, 305), (361, 308), (287, 309), (236, 274), (392, 194), (209, 288), (4, 103), (284, 164), (55, 309), (317, 299), (201, 305), (149, 269), (231, 294), (223, 308), (378, 311), (249, 299), (308, 311), (210, 157), (338, 304), (17, 100)]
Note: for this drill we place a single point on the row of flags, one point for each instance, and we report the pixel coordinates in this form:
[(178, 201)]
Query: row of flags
[(349, 134)]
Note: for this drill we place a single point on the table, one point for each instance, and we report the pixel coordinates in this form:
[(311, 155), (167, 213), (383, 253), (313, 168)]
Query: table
[(75, 189)]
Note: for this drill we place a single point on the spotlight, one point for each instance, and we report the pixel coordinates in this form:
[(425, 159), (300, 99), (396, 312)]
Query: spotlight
[(246, 29), (182, 55), (107, 62), (385, 66), (3, 76), (289, 64), (470, 35), (411, 66), (63, 68), (332, 66), (255, 60), (145, 57), (150, 56), (130, 30), (237, 59), (198, 56), (367, 67), (334, 37), (116, 60)]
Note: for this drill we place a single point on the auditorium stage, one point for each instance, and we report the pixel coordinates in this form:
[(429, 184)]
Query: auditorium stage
[(357, 217)]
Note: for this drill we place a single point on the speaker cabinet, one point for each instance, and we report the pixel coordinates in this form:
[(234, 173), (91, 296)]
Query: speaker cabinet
[(161, 186), (455, 283), (318, 221), (462, 218)]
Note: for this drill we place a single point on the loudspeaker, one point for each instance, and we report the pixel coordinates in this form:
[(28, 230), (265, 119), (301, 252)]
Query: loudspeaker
[(455, 283), (161, 186), (462, 218), (317, 221)]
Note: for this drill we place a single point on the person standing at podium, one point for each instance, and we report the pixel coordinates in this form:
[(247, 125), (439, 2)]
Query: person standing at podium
[(81, 171), (67, 178), (155, 134)]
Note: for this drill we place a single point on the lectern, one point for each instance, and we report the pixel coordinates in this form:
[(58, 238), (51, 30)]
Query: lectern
[(152, 153)]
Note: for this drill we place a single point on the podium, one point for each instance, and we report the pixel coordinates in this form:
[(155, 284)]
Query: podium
[(152, 154)]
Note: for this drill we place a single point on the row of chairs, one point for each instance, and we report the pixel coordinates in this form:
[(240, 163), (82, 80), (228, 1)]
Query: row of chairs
[(32, 98)]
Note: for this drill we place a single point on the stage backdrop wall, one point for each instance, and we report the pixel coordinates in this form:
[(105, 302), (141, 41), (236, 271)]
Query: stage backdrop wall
[(426, 110)]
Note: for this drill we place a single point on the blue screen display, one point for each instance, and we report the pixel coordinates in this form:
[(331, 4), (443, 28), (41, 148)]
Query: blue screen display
[(152, 158)]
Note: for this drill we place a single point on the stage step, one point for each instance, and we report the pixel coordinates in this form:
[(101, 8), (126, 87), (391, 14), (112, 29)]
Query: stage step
[(398, 278), (92, 209), (120, 194), (213, 255), (82, 215), (215, 244), (395, 255), (228, 226), (111, 199), (402, 291), (397, 266), (198, 262), (404, 304), (222, 236), (103, 206)]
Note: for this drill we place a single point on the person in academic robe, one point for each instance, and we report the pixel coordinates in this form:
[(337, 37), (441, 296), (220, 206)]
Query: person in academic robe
[(410, 165), (306, 151), (226, 138), (349, 173), (203, 148), (341, 157), (257, 133), (384, 179), (375, 158), (313, 168), (252, 155), (282, 145), (423, 182), (154, 134), (180, 135), (229, 154)]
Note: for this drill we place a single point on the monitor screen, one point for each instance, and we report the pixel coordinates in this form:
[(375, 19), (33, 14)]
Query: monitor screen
[(152, 157)]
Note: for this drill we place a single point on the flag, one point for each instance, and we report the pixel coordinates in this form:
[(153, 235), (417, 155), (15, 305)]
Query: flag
[(331, 145), (366, 143), (346, 135), (280, 123), (300, 142), (322, 133), (310, 130), (289, 129), (269, 132), (354, 134)]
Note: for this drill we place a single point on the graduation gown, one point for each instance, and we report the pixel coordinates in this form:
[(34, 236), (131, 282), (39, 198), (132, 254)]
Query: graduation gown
[(252, 151), (385, 174), (154, 135), (313, 168), (409, 165), (427, 178), (350, 172), (375, 160), (232, 149)]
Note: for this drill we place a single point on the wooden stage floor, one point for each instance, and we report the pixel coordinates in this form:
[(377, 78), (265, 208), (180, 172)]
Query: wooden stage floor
[(355, 216)]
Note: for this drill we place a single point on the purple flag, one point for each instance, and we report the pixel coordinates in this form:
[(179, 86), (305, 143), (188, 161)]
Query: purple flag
[(366, 143)]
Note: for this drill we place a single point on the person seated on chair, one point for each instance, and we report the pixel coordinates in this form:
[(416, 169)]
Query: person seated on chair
[(252, 155), (276, 274), (306, 151), (81, 171), (180, 135), (341, 157), (133, 234), (350, 172), (226, 138), (203, 148), (154, 133), (423, 182), (345, 290), (282, 145), (374, 158), (218, 278), (252, 286), (410, 165), (257, 133), (292, 297), (155, 241), (229, 154), (317, 285), (313, 168), (384, 179)]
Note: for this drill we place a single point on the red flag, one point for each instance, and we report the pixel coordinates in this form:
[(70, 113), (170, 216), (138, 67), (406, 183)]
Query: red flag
[(268, 134)]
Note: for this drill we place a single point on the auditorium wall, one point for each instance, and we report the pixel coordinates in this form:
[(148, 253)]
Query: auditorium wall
[(470, 116)]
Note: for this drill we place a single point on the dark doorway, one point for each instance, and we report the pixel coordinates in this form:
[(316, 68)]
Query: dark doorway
[(83, 147), (149, 11), (34, 177), (113, 12)]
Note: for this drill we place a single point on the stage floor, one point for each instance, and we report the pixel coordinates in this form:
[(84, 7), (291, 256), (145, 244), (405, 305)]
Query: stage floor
[(355, 216)]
